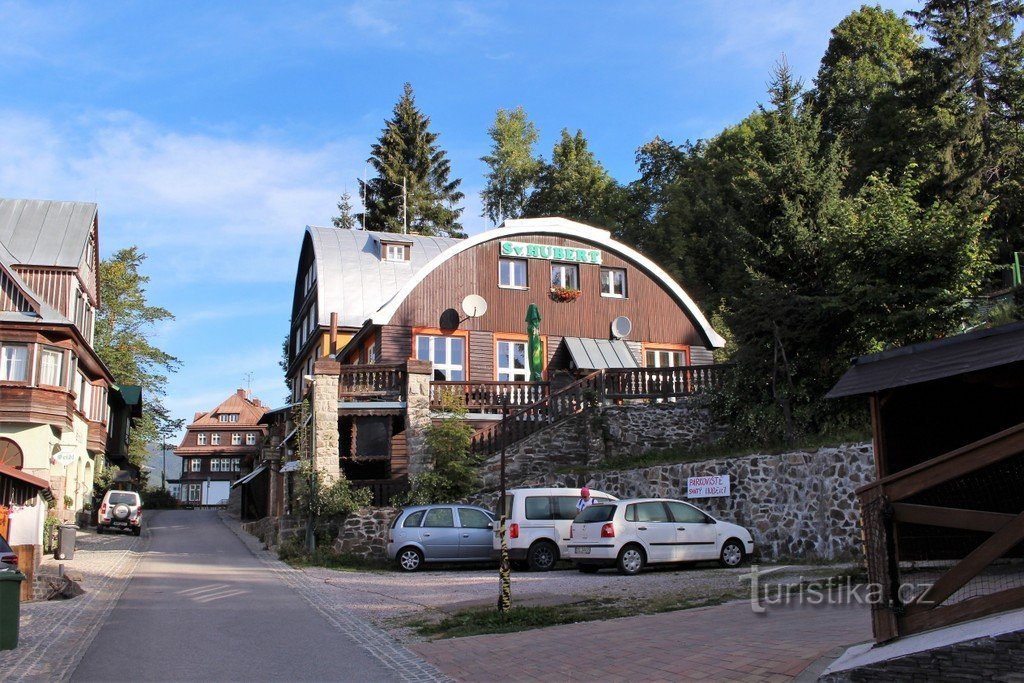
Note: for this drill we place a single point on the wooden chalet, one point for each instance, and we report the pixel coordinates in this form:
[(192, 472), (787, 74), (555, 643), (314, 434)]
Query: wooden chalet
[(217, 447), (377, 316), (944, 521)]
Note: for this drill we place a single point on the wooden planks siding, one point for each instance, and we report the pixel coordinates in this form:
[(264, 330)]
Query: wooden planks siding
[(11, 297), (700, 356), (399, 453), (51, 285), (481, 355), (655, 315), (395, 343)]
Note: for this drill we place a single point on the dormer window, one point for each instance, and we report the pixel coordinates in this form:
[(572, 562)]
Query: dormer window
[(395, 252), (228, 417)]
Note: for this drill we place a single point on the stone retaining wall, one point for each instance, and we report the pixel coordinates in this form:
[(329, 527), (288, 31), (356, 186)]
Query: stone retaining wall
[(274, 531), (364, 533), (797, 505)]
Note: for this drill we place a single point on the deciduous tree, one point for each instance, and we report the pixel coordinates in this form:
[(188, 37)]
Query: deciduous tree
[(513, 168)]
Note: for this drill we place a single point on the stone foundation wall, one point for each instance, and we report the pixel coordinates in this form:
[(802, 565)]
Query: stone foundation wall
[(364, 533), (599, 433), (274, 531), (796, 505)]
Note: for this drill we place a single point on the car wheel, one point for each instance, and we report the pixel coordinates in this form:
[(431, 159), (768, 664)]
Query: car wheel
[(588, 568), (631, 560), (732, 553), (409, 559), (137, 530), (99, 528), (542, 556)]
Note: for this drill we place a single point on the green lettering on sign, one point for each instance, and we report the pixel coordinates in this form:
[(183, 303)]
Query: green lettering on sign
[(549, 253)]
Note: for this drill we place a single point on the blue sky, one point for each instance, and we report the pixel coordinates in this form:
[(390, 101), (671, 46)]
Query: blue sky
[(210, 134)]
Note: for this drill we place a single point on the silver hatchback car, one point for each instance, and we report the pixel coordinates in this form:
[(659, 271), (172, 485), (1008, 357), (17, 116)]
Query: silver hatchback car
[(440, 533)]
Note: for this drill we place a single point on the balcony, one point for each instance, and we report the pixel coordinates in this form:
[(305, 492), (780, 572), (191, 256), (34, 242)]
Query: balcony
[(361, 383)]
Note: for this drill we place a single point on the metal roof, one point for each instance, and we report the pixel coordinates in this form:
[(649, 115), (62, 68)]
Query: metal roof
[(599, 354), (353, 281), (932, 360), (249, 477), (46, 233)]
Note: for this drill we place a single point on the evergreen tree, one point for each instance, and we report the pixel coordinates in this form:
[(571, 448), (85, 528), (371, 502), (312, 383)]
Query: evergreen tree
[(123, 323), (858, 87), (513, 168), (344, 219), (407, 153), (576, 186), (973, 89)]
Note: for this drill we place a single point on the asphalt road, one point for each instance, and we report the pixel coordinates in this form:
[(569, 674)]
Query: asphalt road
[(201, 607)]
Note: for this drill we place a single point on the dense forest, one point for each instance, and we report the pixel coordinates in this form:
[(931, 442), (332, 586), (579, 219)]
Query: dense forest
[(875, 207)]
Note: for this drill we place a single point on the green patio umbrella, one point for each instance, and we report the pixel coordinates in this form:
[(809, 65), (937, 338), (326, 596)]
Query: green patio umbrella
[(535, 350)]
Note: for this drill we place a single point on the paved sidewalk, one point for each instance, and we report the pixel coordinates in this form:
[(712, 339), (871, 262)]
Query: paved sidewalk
[(722, 643), (54, 635)]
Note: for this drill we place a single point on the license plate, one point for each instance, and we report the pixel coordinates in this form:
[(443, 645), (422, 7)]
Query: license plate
[(582, 550)]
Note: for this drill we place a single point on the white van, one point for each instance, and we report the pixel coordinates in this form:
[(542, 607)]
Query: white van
[(538, 524)]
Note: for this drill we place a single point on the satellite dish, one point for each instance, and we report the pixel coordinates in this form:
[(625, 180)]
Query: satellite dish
[(621, 327), (474, 306)]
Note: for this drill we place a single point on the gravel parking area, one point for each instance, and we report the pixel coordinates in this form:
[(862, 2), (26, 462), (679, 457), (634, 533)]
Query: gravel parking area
[(390, 598)]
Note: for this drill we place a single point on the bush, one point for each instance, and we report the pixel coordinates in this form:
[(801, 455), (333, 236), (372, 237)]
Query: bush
[(158, 499), (50, 534)]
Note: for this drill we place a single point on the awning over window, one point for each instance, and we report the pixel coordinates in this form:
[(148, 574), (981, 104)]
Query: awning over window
[(599, 354), (252, 475), (9, 471), (290, 466)]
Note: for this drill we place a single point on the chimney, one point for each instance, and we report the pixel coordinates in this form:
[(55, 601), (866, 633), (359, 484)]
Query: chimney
[(240, 393)]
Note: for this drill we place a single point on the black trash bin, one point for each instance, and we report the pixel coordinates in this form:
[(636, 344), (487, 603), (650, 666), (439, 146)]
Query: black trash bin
[(65, 542), (10, 607)]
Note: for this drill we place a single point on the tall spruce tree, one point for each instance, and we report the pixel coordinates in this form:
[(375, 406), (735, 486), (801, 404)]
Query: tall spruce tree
[(974, 91), (575, 185), (513, 168), (344, 219), (407, 154)]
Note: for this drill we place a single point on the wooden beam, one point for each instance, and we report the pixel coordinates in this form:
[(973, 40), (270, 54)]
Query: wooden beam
[(951, 518), (974, 608), (952, 465), (966, 569)]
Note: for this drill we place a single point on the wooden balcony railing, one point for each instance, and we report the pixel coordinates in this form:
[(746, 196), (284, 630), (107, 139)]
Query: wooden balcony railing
[(961, 512), (488, 397), (689, 380), (371, 383), (383, 490)]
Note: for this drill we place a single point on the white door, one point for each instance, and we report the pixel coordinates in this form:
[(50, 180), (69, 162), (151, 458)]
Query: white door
[(696, 533)]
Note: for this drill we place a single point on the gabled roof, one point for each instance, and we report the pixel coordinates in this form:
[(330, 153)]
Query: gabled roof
[(248, 410), (34, 309), (46, 233), (353, 281), (928, 361)]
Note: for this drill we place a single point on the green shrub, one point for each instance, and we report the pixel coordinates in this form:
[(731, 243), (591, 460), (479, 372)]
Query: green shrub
[(158, 499)]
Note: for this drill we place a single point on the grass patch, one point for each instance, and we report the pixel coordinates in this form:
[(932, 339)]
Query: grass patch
[(672, 456), (326, 559), (479, 621)]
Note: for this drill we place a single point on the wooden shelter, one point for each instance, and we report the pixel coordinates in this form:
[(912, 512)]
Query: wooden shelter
[(944, 520)]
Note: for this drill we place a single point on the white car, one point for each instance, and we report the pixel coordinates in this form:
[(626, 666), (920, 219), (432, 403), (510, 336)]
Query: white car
[(120, 510), (630, 534), (538, 524)]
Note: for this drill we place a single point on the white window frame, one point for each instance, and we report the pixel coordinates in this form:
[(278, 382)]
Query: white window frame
[(504, 361), (447, 368), (608, 288), (12, 358), (508, 269), (195, 465), (250, 439), (395, 252), (201, 439), (236, 439), (236, 465), (193, 492), (559, 272), (663, 358), (51, 367), (215, 439)]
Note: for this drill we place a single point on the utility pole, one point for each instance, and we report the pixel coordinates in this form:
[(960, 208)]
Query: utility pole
[(504, 569), (405, 208)]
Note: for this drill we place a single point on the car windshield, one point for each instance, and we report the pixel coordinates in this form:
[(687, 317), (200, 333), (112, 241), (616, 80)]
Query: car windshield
[(596, 513), (117, 498)]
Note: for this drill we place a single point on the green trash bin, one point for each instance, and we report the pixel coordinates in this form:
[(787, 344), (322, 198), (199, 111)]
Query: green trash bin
[(10, 607)]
